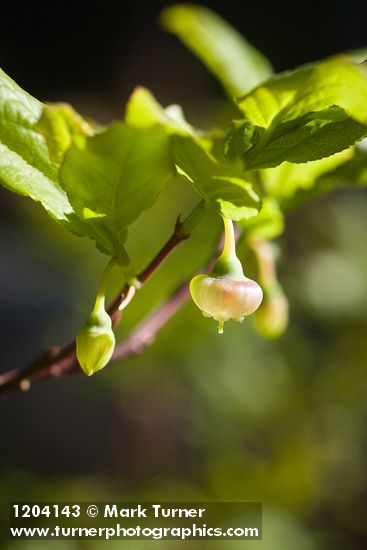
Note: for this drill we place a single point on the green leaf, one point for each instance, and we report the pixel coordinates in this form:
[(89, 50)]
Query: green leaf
[(221, 185), (284, 181), (239, 139), (144, 111), (353, 172), (113, 177), (236, 63), (350, 171), (25, 165), (59, 123), (306, 115)]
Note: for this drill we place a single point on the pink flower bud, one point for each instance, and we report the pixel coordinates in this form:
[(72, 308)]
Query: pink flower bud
[(226, 293), (224, 298)]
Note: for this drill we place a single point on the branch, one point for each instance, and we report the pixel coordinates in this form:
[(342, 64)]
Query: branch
[(141, 337), (145, 333), (56, 362)]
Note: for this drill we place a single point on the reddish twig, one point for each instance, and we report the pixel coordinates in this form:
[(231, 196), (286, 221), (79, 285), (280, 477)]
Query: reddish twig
[(179, 234), (56, 362), (141, 337), (145, 333)]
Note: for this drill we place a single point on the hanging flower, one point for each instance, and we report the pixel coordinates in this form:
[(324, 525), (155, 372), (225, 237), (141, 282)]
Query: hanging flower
[(226, 293)]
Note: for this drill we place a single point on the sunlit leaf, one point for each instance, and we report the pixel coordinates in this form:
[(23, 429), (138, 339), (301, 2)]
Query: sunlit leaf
[(59, 123), (25, 165), (302, 116), (236, 63), (220, 184), (113, 177)]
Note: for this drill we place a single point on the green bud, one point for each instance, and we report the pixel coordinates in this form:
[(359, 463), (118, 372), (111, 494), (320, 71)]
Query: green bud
[(271, 319), (95, 342), (226, 293)]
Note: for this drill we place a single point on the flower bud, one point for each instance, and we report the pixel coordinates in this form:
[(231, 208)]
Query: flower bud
[(226, 293), (225, 298), (271, 319), (95, 342)]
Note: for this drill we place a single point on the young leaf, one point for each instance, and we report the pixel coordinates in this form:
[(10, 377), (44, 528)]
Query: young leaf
[(306, 115), (350, 171), (59, 123), (284, 181), (144, 111), (221, 185), (112, 177), (353, 172), (236, 63), (25, 166)]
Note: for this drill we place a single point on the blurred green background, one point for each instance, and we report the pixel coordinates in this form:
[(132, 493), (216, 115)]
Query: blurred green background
[(196, 416)]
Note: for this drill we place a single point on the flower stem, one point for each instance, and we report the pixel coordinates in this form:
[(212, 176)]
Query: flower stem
[(102, 289), (264, 253), (229, 247), (127, 267), (228, 264)]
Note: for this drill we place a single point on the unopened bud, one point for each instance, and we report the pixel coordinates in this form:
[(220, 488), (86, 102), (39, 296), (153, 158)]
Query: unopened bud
[(95, 342), (271, 319)]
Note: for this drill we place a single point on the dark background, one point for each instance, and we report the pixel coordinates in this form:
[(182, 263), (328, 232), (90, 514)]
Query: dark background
[(179, 420), (102, 49)]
